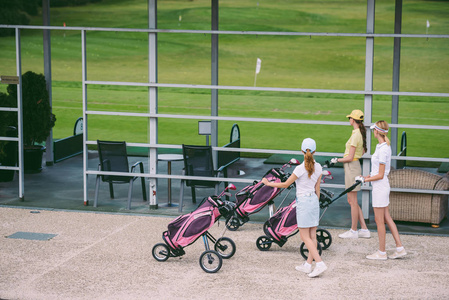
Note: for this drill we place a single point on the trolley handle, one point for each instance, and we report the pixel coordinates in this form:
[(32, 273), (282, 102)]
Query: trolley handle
[(349, 189)]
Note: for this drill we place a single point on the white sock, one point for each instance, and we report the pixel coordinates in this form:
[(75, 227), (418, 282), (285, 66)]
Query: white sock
[(364, 230), (307, 264), (382, 253), (321, 263), (399, 249), (352, 230)]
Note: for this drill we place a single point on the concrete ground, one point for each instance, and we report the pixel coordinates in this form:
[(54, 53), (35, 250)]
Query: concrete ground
[(88, 255)]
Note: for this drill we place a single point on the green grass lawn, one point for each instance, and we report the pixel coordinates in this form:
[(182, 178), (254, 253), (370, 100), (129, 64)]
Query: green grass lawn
[(299, 62)]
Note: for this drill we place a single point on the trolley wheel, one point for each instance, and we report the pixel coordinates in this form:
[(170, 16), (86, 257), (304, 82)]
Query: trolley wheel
[(324, 238), (161, 252), (305, 252), (210, 261), (225, 247), (233, 224), (263, 243)]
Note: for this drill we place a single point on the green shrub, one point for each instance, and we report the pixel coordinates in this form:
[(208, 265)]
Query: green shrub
[(38, 119)]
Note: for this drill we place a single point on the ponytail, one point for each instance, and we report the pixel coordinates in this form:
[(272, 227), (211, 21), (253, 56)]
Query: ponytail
[(363, 132), (309, 163)]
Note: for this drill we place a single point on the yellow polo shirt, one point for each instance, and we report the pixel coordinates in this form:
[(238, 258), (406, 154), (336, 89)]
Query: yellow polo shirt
[(356, 140)]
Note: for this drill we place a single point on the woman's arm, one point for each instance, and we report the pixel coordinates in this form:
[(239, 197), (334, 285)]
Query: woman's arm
[(378, 176), (281, 185), (350, 156), (317, 187)]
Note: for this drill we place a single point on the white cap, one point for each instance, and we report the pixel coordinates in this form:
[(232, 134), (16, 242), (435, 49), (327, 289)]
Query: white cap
[(308, 143)]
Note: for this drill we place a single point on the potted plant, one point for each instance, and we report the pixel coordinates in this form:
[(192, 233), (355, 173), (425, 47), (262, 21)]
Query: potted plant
[(38, 119)]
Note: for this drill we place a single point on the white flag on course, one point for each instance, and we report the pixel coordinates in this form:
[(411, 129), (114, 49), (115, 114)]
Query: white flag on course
[(428, 24), (258, 65)]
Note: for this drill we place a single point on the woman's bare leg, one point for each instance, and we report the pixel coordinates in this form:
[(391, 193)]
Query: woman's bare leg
[(356, 212), (305, 234), (393, 228), (379, 217)]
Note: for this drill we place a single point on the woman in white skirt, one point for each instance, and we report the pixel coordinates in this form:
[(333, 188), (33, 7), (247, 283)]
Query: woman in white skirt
[(380, 168), (307, 177)]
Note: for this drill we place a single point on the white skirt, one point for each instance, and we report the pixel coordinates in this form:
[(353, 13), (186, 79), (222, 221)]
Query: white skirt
[(307, 211), (381, 192)]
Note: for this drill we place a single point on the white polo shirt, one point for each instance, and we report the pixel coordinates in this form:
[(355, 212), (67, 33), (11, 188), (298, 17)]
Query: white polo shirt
[(382, 155), (304, 184)]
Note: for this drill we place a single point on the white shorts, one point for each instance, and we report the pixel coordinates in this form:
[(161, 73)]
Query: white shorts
[(381, 192)]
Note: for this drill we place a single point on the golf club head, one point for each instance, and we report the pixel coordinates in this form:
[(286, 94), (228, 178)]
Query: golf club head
[(294, 162), (231, 187)]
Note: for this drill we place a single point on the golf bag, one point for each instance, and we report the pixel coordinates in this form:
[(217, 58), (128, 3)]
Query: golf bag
[(254, 197), (283, 223), (186, 229)]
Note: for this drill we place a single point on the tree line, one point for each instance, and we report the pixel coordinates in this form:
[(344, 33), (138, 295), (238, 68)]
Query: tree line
[(19, 12)]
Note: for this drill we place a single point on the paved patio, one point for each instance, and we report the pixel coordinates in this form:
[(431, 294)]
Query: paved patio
[(87, 255)]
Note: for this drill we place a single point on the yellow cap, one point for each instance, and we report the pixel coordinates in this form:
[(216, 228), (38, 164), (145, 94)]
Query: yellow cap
[(356, 114)]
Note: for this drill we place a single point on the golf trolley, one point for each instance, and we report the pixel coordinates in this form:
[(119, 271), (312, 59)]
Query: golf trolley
[(283, 225), (252, 198), (186, 229)]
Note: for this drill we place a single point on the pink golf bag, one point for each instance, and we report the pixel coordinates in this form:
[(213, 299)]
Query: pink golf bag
[(253, 198), (283, 224), (186, 229)]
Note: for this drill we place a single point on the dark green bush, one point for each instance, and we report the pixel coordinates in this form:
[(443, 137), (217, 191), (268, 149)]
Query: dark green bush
[(38, 119)]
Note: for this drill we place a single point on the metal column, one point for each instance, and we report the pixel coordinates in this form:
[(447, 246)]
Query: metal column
[(152, 101), (47, 72), (20, 115), (369, 62), (84, 78), (396, 73), (214, 76)]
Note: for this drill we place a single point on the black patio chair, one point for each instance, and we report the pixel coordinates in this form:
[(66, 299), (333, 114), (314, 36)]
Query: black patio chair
[(198, 162), (114, 158)]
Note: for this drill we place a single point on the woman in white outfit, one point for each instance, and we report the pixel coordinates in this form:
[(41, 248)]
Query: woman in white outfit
[(380, 168), (307, 177)]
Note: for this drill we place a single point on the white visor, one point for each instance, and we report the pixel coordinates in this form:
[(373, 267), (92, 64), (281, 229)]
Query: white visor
[(374, 126)]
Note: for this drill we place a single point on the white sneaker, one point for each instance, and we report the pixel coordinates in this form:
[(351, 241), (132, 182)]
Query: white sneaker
[(397, 254), (318, 270), (304, 268), (349, 235), (364, 234), (377, 256)]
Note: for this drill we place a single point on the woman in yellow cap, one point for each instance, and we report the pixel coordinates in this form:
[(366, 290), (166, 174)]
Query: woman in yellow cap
[(355, 147)]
